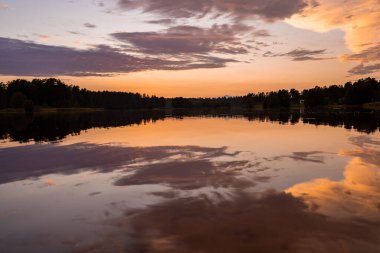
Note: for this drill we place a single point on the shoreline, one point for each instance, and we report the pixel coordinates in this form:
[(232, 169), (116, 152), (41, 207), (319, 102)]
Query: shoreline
[(367, 106)]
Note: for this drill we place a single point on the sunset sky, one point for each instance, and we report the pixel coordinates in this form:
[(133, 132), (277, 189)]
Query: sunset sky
[(190, 48)]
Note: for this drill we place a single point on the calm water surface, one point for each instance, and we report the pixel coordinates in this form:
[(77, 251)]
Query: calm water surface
[(190, 182)]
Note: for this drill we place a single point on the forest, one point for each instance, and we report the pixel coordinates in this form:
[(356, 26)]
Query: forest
[(54, 93)]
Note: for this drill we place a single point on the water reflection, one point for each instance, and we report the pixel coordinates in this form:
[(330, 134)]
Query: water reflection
[(184, 166), (358, 194), (211, 183), (318, 216), (267, 222), (53, 127)]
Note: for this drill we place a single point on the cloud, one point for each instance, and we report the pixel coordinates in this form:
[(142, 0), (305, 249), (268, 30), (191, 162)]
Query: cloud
[(360, 22), (75, 33), (359, 19), (368, 55), (42, 37), (262, 33), (4, 6), (301, 55), (306, 55), (188, 40), (165, 21), (49, 182), (22, 58), (89, 25), (239, 9), (362, 69)]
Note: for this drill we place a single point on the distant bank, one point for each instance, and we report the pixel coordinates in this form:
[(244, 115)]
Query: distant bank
[(54, 95)]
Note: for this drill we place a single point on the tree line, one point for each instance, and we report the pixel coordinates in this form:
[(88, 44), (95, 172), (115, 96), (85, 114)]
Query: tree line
[(53, 92)]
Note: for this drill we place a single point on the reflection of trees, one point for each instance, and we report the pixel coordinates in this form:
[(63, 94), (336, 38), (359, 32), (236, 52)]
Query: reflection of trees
[(361, 121), (56, 126)]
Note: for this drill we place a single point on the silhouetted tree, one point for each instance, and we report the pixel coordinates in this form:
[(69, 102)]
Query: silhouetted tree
[(277, 99), (3, 95), (284, 98), (314, 97), (335, 94), (362, 91), (28, 106), (295, 96), (18, 99)]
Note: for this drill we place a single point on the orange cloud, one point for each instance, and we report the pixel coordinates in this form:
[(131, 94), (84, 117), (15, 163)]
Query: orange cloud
[(49, 182), (360, 19), (43, 37)]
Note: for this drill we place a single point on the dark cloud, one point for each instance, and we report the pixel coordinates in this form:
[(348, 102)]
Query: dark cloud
[(165, 21), (269, 54), (371, 54), (261, 44), (267, 9), (75, 33), (362, 69), (189, 40), (262, 33), (305, 55), (22, 58), (301, 55), (89, 25)]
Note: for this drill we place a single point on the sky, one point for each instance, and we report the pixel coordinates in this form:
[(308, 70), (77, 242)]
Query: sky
[(190, 48)]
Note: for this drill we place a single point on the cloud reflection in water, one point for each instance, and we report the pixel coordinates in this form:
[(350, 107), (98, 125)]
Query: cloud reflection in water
[(317, 216), (358, 194)]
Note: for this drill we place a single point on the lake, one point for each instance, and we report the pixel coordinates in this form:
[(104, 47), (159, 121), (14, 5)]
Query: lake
[(190, 181)]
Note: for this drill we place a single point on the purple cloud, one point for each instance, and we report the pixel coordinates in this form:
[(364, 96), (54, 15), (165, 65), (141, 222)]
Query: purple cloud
[(267, 9), (22, 58), (89, 25), (362, 69), (188, 40), (301, 55), (165, 21)]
